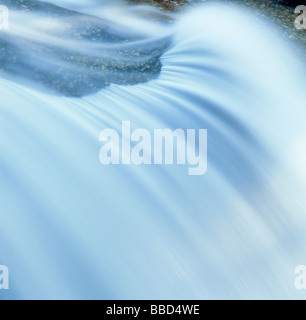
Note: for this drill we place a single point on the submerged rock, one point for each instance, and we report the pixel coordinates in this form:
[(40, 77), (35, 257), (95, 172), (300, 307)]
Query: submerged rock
[(71, 53)]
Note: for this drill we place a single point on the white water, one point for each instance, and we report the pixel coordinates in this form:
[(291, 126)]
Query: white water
[(72, 228)]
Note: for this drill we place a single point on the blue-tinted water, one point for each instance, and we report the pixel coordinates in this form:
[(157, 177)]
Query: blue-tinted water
[(72, 228)]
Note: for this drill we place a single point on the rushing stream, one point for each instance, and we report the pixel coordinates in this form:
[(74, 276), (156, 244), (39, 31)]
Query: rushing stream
[(73, 228)]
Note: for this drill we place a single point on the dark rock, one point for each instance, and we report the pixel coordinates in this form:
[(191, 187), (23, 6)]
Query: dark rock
[(98, 57)]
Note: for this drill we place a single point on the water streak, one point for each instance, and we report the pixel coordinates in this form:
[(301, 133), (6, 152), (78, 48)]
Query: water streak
[(72, 228)]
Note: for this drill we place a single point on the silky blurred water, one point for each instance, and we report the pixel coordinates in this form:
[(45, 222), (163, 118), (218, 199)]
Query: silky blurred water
[(71, 228)]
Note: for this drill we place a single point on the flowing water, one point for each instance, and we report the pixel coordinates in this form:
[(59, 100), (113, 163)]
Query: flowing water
[(73, 228)]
